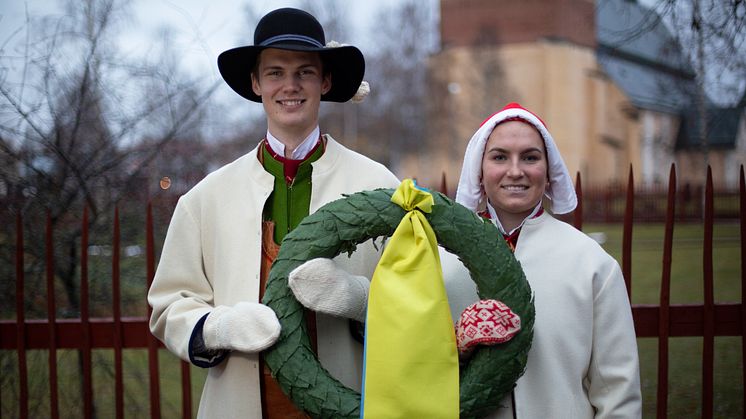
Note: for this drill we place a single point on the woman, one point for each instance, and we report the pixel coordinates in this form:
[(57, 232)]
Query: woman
[(583, 360)]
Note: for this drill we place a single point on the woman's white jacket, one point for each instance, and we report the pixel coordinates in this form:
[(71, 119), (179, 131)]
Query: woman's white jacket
[(583, 362)]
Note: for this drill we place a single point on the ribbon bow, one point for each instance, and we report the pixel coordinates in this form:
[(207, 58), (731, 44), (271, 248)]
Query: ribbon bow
[(411, 359)]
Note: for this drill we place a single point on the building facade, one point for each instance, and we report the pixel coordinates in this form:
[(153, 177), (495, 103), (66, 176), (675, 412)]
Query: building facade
[(606, 77)]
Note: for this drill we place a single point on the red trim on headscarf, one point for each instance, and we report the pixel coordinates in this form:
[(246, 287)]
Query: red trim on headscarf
[(514, 105)]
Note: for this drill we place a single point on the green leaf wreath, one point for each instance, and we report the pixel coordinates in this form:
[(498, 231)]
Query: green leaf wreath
[(338, 227)]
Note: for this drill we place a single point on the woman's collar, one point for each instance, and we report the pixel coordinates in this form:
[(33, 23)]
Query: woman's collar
[(496, 220)]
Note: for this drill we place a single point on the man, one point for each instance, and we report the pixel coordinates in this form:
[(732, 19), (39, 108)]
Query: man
[(225, 231)]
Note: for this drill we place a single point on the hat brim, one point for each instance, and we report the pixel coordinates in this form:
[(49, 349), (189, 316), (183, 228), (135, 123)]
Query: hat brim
[(346, 65)]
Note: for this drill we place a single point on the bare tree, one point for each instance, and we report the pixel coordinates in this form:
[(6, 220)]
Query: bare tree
[(338, 119), (712, 35), (81, 126), (393, 119)]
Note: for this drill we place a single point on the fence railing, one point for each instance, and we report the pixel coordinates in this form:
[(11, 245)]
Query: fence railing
[(662, 321), (608, 204)]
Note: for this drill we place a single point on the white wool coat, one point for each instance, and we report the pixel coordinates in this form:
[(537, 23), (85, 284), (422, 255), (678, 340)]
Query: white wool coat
[(583, 361), (211, 256)]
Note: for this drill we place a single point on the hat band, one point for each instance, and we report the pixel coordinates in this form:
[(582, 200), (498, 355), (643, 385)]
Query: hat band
[(291, 37)]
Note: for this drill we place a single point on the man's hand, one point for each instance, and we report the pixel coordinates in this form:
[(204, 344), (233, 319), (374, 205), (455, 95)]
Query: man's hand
[(322, 286), (245, 327)]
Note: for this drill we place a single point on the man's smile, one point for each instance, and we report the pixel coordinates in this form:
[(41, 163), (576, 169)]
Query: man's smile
[(291, 102)]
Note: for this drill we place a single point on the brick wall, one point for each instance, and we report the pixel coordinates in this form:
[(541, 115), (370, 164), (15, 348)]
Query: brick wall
[(474, 22)]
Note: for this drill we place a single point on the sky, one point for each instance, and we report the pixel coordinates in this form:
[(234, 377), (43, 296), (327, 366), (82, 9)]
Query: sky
[(200, 29)]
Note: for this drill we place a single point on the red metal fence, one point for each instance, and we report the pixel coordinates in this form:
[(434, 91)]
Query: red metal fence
[(662, 321), (608, 204)]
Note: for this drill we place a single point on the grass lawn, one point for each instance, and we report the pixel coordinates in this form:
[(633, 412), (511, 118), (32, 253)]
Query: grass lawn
[(685, 354), (136, 384)]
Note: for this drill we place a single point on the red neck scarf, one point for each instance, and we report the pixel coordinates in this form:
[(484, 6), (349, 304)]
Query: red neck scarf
[(290, 166), (511, 239)]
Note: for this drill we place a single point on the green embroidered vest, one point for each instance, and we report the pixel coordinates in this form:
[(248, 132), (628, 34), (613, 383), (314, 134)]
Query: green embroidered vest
[(289, 202)]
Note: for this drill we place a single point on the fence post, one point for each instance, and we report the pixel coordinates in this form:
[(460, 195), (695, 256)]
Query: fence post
[(186, 391), (665, 299), (85, 318), (51, 322), (742, 216), (117, 314), (155, 393), (21, 320), (708, 312)]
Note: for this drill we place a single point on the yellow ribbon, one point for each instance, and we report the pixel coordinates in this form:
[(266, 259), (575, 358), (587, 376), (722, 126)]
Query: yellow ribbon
[(411, 360)]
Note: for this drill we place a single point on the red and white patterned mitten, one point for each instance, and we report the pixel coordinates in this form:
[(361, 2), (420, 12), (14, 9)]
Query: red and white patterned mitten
[(486, 322)]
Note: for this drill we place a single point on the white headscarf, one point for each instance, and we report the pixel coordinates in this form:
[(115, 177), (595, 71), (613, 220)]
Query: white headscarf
[(560, 190)]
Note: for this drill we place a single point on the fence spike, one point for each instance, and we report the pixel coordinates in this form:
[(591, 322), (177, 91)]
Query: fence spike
[(578, 213), (444, 185), (629, 211)]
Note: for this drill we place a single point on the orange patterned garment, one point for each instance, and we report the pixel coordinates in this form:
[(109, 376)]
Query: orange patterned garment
[(275, 404)]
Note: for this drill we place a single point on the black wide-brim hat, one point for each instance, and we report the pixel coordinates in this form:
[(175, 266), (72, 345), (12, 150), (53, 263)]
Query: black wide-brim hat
[(294, 30)]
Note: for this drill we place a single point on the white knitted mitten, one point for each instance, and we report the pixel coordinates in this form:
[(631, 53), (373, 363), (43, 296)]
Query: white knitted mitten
[(322, 286), (245, 327)]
